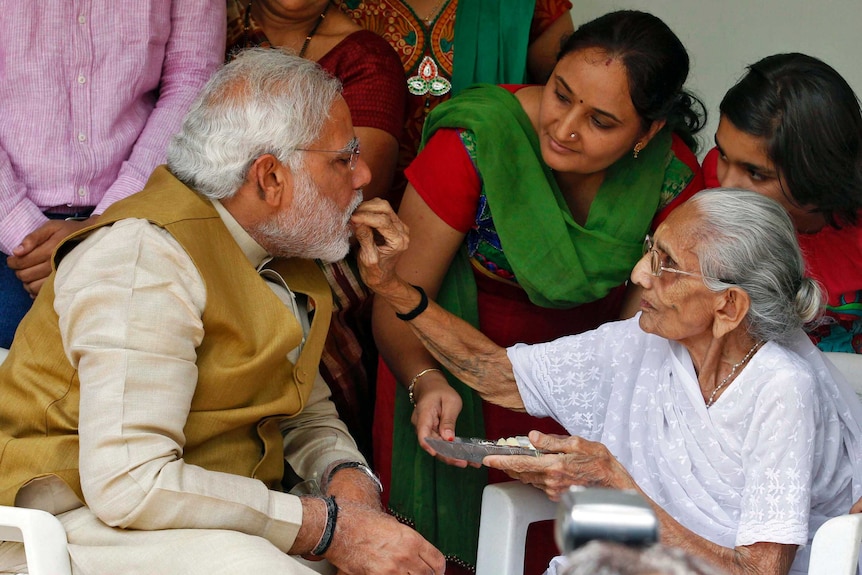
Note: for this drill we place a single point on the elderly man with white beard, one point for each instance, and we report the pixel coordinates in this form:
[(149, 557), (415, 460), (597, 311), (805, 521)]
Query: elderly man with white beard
[(165, 385)]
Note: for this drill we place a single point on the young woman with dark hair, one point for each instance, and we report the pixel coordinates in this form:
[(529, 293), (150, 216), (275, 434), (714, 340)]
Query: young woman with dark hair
[(791, 129)]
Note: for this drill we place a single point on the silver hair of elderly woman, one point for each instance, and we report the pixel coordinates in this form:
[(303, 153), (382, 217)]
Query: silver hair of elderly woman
[(264, 101), (749, 240), (609, 558)]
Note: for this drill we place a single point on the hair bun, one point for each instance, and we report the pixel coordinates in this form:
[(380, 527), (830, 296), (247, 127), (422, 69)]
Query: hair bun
[(809, 300)]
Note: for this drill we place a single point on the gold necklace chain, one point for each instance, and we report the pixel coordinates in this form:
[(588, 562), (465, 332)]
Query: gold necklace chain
[(320, 19), (733, 369), (433, 13), (317, 24)]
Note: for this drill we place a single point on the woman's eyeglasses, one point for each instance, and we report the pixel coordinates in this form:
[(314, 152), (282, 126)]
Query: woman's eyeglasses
[(657, 266)]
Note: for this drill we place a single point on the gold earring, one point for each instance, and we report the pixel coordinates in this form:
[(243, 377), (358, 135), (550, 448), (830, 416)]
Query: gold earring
[(638, 147)]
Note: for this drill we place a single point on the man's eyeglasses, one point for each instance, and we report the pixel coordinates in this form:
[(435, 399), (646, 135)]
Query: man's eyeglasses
[(352, 148), (657, 266)]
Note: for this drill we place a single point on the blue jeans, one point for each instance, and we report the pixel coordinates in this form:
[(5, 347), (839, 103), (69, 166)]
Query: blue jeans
[(14, 302)]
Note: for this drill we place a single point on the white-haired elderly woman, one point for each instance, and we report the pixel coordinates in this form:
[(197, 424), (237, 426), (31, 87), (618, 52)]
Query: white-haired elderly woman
[(711, 401)]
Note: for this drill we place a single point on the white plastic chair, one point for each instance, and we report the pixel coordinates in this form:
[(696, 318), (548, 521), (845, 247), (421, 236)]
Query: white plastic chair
[(509, 508), (835, 548), (43, 536)]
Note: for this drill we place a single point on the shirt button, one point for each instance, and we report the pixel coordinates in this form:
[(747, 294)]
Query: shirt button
[(82, 138), (82, 192), (81, 79), (81, 20)]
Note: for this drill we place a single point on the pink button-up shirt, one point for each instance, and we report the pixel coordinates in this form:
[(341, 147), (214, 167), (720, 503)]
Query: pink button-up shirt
[(90, 93)]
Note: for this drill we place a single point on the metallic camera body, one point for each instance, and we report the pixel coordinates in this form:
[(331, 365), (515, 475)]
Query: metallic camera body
[(587, 513)]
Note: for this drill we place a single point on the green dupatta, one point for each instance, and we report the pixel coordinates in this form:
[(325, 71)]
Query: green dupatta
[(492, 37), (559, 263)]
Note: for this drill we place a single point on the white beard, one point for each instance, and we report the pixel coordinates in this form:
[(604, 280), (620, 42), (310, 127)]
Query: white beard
[(314, 227)]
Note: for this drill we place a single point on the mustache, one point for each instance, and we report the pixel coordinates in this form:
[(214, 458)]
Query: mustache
[(354, 203)]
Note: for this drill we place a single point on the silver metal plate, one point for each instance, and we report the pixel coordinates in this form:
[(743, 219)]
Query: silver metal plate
[(474, 450)]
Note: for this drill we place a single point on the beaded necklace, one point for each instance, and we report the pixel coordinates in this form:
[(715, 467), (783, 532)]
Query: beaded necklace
[(733, 369)]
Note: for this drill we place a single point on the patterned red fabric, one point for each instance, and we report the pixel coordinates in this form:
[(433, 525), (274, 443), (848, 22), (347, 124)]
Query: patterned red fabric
[(373, 81)]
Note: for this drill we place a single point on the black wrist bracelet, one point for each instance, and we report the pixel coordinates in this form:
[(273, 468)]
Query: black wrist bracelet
[(329, 530), (423, 305)]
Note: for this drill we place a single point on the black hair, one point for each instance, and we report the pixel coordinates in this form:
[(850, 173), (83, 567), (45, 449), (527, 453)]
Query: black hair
[(811, 122), (656, 65)]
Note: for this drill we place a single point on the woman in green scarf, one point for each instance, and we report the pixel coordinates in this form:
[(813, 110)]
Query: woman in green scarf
[(527, 210)]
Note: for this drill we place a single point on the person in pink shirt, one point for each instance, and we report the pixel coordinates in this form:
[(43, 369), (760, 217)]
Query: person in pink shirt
[(89, 97)]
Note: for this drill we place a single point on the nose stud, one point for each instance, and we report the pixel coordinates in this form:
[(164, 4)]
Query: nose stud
[(572, 136)]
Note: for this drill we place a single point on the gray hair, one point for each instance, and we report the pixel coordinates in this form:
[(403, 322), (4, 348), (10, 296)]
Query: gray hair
[(609, 558), (266, 101), (748, 240)]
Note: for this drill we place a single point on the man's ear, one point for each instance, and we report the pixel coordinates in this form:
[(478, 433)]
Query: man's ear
[(732, 307), (273, 180)]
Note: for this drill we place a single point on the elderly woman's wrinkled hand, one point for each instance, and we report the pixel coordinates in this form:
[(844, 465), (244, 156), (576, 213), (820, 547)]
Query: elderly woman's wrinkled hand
[(382, 239), (567, 461)]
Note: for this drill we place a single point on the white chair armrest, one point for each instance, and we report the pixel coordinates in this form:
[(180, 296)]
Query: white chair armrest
[(507, 511), (43, 536), (835, 547)]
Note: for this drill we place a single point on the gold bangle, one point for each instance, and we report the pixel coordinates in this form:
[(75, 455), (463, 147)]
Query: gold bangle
[(415, 379)]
